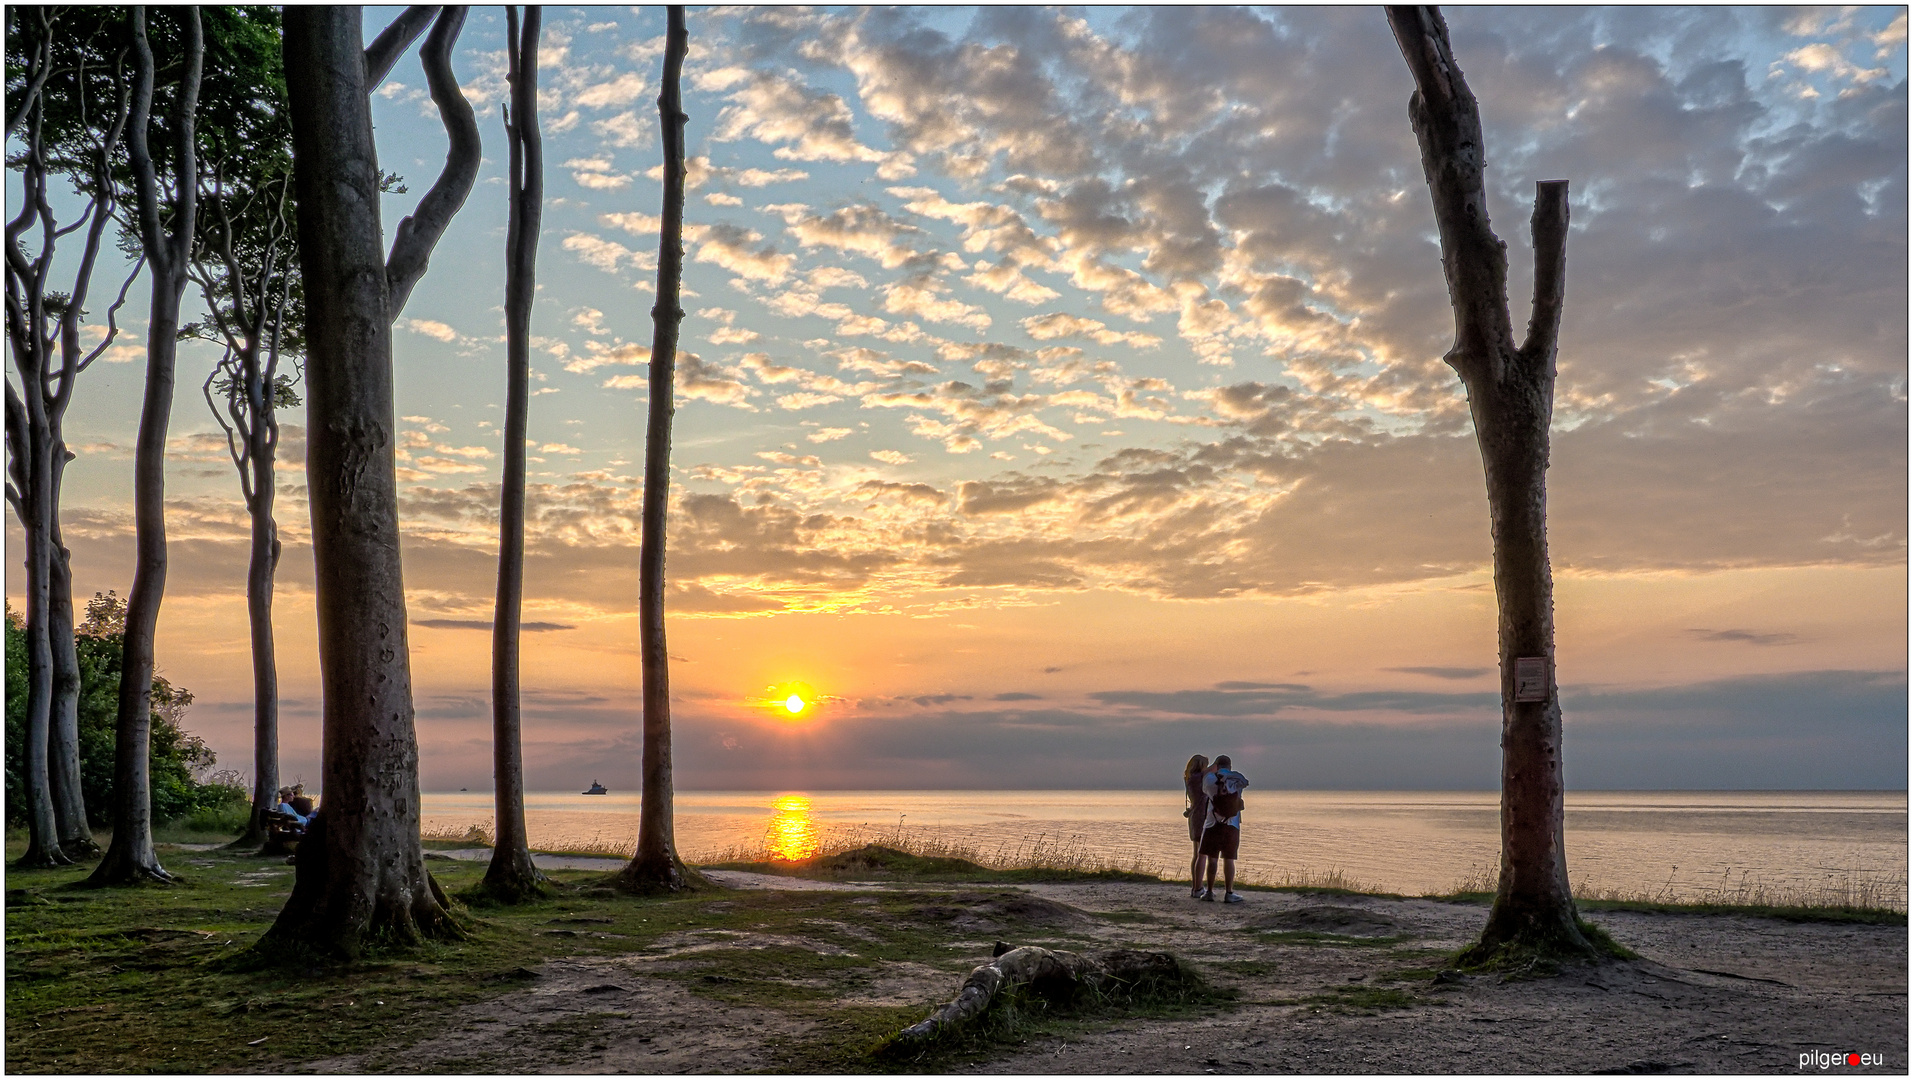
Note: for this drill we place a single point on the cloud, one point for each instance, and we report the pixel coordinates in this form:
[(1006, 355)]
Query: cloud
[(1061, 324), (596, 174), (529, 627), (1455, 673), (624, 131), (744, 252), (804, 124), (626, 88), (1747, 637), (437, 331)]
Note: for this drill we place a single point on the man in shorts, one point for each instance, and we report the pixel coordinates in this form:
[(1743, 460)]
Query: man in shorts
[(1222, 836)]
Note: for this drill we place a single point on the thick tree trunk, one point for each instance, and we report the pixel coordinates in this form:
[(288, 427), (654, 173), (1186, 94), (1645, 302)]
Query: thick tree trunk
[(362, 872), (656, 865), (168, 244), (512, 876), (1511, 396), (63, 743)]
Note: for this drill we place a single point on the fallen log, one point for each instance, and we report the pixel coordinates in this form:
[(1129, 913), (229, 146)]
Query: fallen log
[(1054, 975)]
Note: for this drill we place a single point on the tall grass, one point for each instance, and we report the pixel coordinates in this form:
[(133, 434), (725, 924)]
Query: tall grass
[(1068, 854), (1845, 890)]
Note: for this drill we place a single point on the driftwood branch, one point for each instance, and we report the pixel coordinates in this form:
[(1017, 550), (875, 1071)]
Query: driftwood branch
[(392, 42), (1055, 975), (418, 234)]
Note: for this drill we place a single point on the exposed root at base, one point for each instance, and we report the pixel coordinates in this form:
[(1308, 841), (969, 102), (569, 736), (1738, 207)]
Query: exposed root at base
[(1053, 975)]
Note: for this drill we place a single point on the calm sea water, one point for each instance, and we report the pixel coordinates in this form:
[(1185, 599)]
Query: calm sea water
[(1686, 845)]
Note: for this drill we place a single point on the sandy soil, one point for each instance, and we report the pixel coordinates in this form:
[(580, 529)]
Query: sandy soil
[(1710, 994)]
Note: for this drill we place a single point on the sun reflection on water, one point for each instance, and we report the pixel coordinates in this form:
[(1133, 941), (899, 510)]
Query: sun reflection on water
[(791, 834)]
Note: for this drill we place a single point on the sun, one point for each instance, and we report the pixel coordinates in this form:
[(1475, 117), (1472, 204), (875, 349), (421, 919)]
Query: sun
[(792, 701)]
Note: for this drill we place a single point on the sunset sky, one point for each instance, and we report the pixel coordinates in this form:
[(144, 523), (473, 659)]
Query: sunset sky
[(1061, 396)]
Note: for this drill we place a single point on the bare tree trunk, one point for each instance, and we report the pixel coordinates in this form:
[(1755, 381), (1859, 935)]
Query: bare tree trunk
[(656, 865), (512, 876), (168, 247), (63, 743), (260, 567), (361, 871), (43, 844), (1511, 397)]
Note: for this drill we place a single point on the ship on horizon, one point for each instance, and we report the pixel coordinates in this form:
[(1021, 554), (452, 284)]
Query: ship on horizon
[(595, 789)]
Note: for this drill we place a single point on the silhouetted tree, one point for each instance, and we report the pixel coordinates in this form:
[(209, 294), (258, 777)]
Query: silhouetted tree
[(361, 872), (166, 199), (68, 100), (512, 875), (656, 865), (1511, 397), (246, 266)]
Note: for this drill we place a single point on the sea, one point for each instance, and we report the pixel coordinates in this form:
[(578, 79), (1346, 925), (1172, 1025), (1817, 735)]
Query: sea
[(1743, 846)]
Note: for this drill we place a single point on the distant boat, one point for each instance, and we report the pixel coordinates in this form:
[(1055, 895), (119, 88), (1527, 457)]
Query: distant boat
[(596, 789)]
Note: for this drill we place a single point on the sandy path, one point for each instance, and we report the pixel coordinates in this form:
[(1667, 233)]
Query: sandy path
[(1711, 994)]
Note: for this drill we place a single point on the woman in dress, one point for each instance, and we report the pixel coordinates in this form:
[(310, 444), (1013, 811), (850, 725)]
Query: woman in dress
[(1198, 813)]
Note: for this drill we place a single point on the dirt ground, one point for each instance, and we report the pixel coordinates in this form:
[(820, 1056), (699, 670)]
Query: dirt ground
[(1326, 985)]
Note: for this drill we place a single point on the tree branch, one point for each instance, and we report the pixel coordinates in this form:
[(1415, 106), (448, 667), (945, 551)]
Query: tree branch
[(1447, 125), (418, 234), (139, 155), (1550, 226), (39, 67), (392, 42), (112, 316)]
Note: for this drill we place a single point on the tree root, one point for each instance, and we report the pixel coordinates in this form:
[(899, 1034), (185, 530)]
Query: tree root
[(1054, 975)]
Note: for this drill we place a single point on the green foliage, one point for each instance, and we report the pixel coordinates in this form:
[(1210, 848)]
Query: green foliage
[(183, 783), (16, 714)]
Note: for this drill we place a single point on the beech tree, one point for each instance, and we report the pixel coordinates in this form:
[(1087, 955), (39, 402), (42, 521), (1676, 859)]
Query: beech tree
[(68, 102), (247, 269), (361, 873), (656, 865), (1511, 398), (512, 875), (166, 199)]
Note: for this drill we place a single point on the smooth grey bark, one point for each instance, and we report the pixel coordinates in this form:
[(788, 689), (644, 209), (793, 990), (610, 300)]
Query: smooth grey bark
[(1511, 398), (63, 738), (392, 42), (43, 338), (166, 239), (656, 866), (512, 875), (361, 873)]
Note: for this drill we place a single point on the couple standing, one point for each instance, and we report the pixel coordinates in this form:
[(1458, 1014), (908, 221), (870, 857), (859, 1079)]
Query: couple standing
[(1215, 823)]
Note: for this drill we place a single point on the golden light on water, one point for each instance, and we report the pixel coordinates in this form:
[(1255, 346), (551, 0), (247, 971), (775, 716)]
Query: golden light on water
[(794, 704), (791, 834)]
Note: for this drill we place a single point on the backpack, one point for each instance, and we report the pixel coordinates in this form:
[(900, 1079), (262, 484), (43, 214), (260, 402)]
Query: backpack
[(1225, 804)]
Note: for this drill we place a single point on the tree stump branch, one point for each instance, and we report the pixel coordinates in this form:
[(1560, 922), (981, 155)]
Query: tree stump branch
[(1055, 975)]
